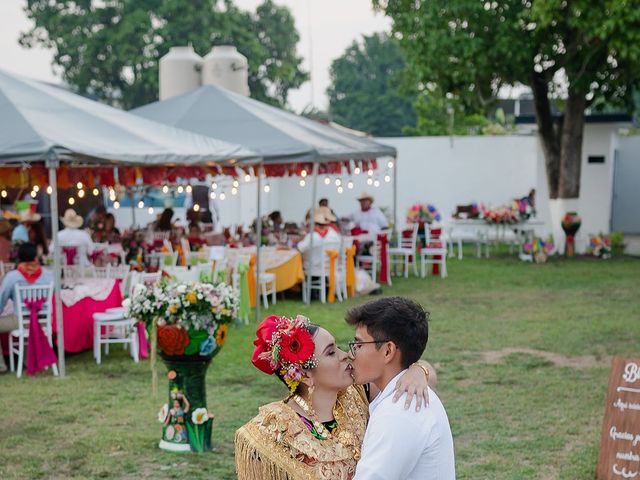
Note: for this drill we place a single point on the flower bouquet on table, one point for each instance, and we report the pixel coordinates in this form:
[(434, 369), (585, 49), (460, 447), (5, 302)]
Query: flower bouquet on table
[(188, 325), (571, 224), (599, 246), (423, 213), (499, 216), (538, 250)]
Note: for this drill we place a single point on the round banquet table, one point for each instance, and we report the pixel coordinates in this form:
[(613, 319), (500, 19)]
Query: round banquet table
[(286, 264)]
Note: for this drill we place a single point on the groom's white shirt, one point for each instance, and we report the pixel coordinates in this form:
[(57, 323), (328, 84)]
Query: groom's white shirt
[(405, 444)]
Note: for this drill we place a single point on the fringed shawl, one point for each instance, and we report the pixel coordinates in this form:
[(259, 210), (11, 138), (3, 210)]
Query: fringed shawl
[(276, 445)]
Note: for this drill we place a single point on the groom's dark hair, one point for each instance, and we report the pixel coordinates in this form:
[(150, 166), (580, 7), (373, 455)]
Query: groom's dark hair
[(396, 319)]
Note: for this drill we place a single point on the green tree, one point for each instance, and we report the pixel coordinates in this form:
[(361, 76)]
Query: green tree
[(569, 51), (111, 49), (365, 90)]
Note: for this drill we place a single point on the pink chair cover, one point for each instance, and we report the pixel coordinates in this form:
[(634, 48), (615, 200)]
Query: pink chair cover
[(70, 254), (384, 267), (39, 353), (143, 344)]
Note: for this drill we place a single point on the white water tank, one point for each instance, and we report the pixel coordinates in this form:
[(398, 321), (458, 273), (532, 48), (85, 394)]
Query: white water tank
[(225, 67), (179, 72)]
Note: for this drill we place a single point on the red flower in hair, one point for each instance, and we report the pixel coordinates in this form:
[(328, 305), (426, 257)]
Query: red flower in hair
[(296, 346)]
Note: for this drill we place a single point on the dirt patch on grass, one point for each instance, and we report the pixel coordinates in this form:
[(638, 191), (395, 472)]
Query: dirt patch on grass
[(586, 361)]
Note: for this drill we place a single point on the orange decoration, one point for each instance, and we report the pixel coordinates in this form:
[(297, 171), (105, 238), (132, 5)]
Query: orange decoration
[(172, 340)]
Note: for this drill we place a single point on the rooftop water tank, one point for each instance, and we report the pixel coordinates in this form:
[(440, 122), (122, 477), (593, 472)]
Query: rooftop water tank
[(225, 67), (179, 72)]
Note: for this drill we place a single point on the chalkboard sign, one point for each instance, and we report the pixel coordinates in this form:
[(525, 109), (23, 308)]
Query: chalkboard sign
[(620, 441)]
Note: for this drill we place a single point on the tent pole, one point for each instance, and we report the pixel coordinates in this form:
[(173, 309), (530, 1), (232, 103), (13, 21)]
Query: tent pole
[(53, 163), (395, 200), (258, 240), (312, 219), (133, 208)]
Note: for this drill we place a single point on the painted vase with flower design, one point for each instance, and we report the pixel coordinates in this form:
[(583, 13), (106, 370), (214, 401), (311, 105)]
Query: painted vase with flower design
[(571, 224), (188, 325)]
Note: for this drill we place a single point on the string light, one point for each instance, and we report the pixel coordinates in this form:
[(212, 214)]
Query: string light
[(36, 188), (247, 178), (189, 188), (95, 192), (327, 181), (234, 191), (376, 183), (338, 182), (150, 210), (370, 172), (214, 185), (140, 204), (356, 171), (236, 183), (116, 205), (79, 185), (387, 178), (369, 181), (390, 164), (72, 200), (49, 190), (222, 196), (350, 185), (213, 195), (4, 194), (180, 189), (303, 173), (34, 194), (267, 188), (80, 193), (165, 189), (340, 190), (196, 208), (302, 182)]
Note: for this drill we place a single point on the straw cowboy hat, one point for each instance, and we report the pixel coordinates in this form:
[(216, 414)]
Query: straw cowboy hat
[(28, 216), (71, 219), (365, 196), (323, 216)]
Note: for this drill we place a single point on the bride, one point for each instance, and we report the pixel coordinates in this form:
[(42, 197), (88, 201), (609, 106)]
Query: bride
[(317, 431)]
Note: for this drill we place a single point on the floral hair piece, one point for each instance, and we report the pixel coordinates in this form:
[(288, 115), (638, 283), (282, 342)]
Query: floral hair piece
[(285, 346)]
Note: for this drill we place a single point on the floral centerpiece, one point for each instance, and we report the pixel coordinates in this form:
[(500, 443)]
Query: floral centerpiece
[(600, 246), (423, 213), (538, 249), (522, 208), (571, 224), (188, 324), (500, 215)]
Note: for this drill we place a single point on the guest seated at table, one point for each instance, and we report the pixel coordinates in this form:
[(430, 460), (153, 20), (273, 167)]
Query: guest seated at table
[(28, 272), (38, 237), (97, 219), (277, 222), (193, 217), (21, 231), (5, 241), (72, 235), (111, 232), (323, 202), (324, 232), (368, 218), (164, 222)]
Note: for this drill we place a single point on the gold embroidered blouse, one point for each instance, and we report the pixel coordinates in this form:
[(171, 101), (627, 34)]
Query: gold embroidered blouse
[(277, 445)]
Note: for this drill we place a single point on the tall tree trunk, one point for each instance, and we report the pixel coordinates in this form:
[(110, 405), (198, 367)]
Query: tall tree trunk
[(571, 146), (548, 131)]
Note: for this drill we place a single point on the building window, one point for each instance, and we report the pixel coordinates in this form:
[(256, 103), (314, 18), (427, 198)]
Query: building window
[(595, 159)]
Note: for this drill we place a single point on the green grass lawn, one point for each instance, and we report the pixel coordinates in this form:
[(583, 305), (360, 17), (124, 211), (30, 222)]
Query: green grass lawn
[(534, 411)]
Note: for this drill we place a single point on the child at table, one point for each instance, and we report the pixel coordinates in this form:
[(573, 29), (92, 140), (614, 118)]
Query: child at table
[(28, 272)]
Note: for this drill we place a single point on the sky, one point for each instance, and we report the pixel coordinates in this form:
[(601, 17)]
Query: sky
[(326, 28)]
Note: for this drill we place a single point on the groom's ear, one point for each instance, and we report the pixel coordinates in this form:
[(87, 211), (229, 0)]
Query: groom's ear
[(390, 351)]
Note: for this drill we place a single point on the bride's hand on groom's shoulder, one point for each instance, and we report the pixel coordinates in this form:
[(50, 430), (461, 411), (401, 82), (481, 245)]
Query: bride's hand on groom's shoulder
[(414, 383)]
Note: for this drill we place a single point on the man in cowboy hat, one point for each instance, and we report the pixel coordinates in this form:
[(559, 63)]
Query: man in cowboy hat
[(324, 235), (368, 218), (71, 235), (21, 232)]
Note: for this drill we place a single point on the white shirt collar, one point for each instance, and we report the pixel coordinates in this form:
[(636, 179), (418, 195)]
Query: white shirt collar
[(388, 390)]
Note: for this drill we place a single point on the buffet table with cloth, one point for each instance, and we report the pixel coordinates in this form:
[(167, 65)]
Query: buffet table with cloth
[(79, 303), (286, 264)]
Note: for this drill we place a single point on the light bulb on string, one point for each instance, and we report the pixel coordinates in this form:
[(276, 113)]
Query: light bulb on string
[(79, 185), (49, 190), (34, 194), (72, 200), (387, 178), (189, 189), (140, 204), (222, 196), (370, 172), (196, 208), (165, 189), (327, 181), (214, 185), (150, 210), (213, 195), (116, 205), (390, 164), (303, 173), (350, 185), (234, 191), (36, 188), (376, 183), (267, 188), (369, 181), (80, 193), (340, 190), (235, 183), (338, 182), (4, 194), (247, 178), (356, 171), (302, 182), (180, 189), (96, 192)]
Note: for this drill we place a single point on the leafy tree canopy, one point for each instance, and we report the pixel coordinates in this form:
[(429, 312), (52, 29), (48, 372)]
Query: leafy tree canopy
[(111, 49), (365, 91)]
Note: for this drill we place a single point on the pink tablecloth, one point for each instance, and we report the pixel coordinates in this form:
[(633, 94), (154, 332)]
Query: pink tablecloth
[(78, 319)]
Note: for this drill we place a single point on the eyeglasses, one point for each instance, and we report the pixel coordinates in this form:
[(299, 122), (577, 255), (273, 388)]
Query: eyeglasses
[(353, 345)]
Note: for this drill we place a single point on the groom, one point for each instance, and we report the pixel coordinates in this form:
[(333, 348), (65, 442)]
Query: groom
[(391, 334)]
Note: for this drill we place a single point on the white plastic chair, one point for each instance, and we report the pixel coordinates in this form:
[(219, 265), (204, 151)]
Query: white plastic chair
[(341, 269), (21, 334), (436, 246), (111, 328), (370, 263), (316, 270), (405, 252)]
